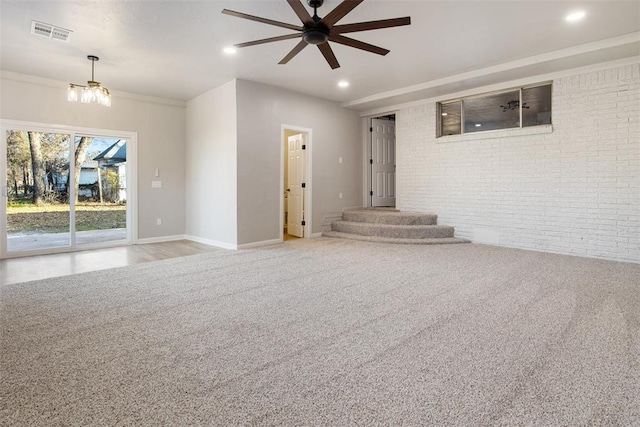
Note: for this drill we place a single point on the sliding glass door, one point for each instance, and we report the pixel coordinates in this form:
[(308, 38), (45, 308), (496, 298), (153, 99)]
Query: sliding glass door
[(100, 180), (62, 190), (37, 209)]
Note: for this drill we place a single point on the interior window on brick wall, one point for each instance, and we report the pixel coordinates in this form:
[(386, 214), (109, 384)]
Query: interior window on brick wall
[(536, 108), (512, 108), (451, 120), (491, 112)]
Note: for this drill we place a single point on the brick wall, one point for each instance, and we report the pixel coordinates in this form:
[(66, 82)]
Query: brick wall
[(572, 187)]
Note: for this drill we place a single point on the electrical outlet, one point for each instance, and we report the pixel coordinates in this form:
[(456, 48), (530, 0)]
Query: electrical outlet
[(340, 196), (159, 221)]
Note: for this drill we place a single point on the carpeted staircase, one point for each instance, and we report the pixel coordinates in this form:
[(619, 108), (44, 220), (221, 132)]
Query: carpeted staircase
[(388, 225)]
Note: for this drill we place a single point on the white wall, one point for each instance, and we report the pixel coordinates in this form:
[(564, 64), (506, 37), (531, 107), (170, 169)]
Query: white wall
[(262, 109), (212, 167), (572, 189), (160, 125)]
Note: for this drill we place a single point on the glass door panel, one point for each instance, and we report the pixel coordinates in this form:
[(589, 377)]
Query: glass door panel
[(37, 194), (101, 184)]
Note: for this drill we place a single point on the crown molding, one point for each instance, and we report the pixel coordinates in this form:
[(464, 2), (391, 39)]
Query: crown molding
[(26, 78)]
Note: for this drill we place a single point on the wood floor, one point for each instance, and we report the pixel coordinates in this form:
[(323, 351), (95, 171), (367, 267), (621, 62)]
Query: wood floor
[(17, 270)]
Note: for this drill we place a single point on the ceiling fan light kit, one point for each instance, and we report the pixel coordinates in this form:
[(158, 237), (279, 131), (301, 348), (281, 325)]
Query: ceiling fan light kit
[(320, 31)]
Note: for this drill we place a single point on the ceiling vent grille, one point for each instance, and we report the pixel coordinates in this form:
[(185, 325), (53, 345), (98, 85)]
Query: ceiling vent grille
[(49, 31)]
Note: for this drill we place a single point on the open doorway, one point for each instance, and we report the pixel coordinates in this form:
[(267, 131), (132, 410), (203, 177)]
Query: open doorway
[(382, 164), (296, 191)]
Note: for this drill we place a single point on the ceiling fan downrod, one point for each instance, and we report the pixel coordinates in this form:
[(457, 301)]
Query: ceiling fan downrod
[(315, 4)]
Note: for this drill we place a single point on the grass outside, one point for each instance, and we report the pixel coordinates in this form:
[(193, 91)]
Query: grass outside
[(54, 217)]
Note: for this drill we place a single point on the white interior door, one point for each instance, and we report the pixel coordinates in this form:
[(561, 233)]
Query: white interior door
[(296, 184), (383, 167)]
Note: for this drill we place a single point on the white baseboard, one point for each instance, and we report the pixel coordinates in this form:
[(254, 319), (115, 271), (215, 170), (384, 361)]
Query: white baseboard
[(217, 244), (314, 235), (160, 239), (258, 244)]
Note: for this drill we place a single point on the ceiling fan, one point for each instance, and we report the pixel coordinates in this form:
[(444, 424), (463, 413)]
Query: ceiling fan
[(319, 31)]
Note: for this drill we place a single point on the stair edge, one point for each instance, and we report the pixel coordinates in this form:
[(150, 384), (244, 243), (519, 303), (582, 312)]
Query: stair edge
[(378, 239)]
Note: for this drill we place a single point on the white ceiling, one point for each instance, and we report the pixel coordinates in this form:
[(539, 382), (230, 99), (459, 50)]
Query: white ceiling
[(173, 49)]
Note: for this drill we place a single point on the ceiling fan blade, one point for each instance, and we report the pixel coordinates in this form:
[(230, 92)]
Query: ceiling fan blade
[(269, 40), (371, 25), (296, 50), (340, 11), (301, 11), (358, 44), (262, 20), (327, 52)]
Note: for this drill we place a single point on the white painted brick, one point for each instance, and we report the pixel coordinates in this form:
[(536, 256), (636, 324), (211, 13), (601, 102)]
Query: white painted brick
[(573, 187)]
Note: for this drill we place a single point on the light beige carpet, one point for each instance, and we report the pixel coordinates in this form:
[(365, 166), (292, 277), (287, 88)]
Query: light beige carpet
[(328, 332)]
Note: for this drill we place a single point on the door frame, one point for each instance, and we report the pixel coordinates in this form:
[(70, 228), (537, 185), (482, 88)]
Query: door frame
[(367, 144), (132, 183), (307, 205)]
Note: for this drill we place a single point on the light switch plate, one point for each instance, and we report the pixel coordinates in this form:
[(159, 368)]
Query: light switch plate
[(156, 184)]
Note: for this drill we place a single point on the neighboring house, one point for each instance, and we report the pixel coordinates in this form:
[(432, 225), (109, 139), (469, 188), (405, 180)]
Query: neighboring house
[(112, 164), (114, 159), (88, 181)]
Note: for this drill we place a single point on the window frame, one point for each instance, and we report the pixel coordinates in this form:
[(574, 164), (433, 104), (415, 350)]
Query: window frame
[(462, 99)]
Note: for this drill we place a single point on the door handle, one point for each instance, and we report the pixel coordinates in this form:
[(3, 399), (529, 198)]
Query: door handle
[(288, 189)]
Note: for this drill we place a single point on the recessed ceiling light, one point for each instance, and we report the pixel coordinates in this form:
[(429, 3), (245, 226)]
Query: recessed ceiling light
[(229, 50), (576, 16), (343, 84), (444, 114), (478, 125)]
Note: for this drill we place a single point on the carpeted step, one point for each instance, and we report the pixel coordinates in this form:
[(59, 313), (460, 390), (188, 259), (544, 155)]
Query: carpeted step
[(391, 217), (393, 231), (378, 208), (389, 225), (378, 239)]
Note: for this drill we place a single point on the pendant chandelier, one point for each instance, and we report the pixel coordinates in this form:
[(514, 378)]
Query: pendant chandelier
[(92, 92)]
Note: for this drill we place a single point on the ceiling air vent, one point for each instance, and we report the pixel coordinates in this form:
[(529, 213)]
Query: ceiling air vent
[(49, 31)]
